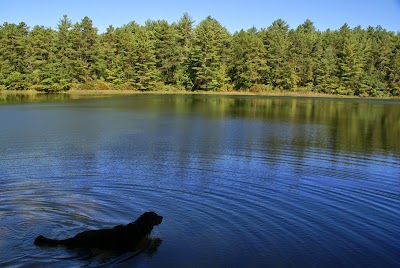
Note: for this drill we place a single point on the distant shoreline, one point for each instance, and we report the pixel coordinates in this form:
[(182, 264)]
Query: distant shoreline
[(227, 93)]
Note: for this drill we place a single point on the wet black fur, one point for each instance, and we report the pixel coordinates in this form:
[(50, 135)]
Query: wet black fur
[(121, 237)]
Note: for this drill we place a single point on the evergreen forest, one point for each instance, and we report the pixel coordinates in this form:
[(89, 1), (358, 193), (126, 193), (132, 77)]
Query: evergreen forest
[(200, 57)]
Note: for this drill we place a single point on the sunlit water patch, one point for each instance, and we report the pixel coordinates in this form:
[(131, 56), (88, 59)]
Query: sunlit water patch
[(240, 181)]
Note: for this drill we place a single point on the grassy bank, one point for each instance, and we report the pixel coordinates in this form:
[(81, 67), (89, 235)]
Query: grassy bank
[(271, 93), (170, 90)]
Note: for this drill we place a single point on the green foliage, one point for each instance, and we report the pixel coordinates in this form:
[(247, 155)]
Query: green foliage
[(302, 53), (209, 55), (277, 44), (15, 81), (184, 30), (165, 56), (13, 71), (249, 63), (394, 73), (135, 58), (85, 45), (325, 78), (353, 59)]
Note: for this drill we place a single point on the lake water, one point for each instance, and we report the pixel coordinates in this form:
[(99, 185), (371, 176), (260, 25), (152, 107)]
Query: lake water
[(241, 181)]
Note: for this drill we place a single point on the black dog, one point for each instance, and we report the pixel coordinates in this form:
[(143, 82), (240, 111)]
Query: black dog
[(121, 237)]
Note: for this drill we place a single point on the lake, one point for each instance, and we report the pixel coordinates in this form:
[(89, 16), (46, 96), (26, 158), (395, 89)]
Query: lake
[(241, 181)]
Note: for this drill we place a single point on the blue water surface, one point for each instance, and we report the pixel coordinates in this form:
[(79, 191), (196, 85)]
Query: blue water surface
[(241, 181)]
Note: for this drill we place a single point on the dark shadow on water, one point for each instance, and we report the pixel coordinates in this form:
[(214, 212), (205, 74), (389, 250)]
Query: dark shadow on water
[(19, 98), (26, 98)]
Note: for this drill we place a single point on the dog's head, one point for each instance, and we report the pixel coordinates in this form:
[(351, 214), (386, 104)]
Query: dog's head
[(145, 223), (150, 218)]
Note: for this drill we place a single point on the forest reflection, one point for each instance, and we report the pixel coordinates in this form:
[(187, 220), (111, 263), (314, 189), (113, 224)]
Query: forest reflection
[(360, 125), (353, 124)]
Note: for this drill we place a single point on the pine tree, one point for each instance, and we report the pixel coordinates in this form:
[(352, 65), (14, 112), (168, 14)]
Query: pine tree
[(209, 55), (394, 73), (165, 38), (40, 50), (13, 40), (378, 63), (109, 70), (60, 69), (86, 46), (84, 53), (277, 43), (303, 45), (249, 64), (325, 73), (353, 58), (184, 30), (136, 57)]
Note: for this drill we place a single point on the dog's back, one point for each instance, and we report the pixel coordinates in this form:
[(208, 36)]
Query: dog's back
[(43, 241), (121, 237)]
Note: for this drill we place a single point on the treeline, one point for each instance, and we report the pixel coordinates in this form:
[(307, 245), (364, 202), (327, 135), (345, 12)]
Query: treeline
[(182, 55)]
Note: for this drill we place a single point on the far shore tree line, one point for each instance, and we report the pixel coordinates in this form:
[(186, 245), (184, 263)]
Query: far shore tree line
[(207, 57)]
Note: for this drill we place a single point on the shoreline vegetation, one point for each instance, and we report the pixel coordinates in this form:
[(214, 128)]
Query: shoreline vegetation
[(183, 57), (108, 92)]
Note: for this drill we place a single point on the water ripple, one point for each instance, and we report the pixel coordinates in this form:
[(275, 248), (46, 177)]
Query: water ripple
[(234, 192)]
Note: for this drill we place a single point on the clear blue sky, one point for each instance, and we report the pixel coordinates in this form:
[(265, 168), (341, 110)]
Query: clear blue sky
[(232, 14)]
